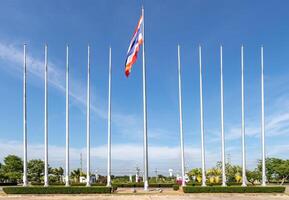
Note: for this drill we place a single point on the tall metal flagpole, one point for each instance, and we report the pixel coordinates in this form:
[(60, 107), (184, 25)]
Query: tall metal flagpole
[(46, 183), (88, 120), (67, 120), (244, 179), (109, 123), (181, 118), (263, 121), (222, 121), (202, 120), (146, 184), (24, 121)]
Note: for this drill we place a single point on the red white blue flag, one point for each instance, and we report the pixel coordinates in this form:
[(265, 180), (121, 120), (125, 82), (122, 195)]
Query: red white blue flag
[(134, 47)]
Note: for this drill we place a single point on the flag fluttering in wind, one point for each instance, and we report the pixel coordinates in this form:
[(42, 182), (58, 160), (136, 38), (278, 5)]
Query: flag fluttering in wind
[(134, 47)]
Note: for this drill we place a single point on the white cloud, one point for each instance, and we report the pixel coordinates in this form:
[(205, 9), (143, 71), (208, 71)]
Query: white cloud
[(276, 123), (124, 156)]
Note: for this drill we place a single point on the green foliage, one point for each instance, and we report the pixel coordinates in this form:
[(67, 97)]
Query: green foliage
[(2, 177), (62, 184), (276, 169), (233, 189), (191, 183), (35, 170), (196, 173), (57, 174), (75, 175), (57, 190), (8, 184), (282, 171), (176, 187), (153, 185), (270, 164), (253, 176), (120, 179), (161, 179), (12, 168)]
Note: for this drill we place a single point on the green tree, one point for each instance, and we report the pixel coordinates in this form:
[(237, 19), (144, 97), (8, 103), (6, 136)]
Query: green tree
[(214, 174), (271, 164), (2, 176), (232, 171), (282, 171), (253, 176), (35, 170), (12, 168), (196, 173), (57, 173), (75, 175)]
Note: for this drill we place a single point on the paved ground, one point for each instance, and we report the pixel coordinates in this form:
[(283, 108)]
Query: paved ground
[(153, 197), (165, 194)]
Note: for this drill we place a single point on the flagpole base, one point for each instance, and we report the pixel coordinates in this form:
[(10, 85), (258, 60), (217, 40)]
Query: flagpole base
[(244, 185), (263, 184), (146, 186)]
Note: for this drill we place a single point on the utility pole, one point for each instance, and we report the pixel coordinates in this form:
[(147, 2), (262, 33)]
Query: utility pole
[(81, 162), (156, 171)]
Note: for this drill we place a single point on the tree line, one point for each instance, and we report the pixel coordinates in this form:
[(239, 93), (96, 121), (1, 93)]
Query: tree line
[(277, 171)]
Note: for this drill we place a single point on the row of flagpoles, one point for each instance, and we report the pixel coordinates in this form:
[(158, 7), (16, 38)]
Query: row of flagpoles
[(145, 147), (244, 179), (145, 142)]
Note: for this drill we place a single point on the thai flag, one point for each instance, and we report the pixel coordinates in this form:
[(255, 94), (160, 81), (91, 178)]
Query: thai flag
[(134, 47)]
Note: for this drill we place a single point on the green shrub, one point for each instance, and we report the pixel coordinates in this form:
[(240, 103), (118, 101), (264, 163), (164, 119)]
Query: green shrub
[(121, 185), (212, 184), (161, 185), (114, 188), (8, 184), (72, 184), (153, 185), (57, 190), (233, 189), (84, 184), (176, 187)]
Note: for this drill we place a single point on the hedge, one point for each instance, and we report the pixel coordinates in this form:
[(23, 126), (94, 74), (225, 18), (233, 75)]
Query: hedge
[(153, 185), (8, 184), (234, 189), (176, 187), (72, 184), (213, 184), (57, 190)]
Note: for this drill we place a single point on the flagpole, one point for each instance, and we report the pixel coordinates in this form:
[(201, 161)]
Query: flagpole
[(202, 120), (181, 119), (67, 120), (88, 120), (146, 185), (46, 182), (243, 121), (24, 121), (109, 123), (222, 121), (263, 121)]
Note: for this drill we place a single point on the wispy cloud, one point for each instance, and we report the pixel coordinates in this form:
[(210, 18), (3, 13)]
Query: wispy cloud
[(12, 55), (276, 123)]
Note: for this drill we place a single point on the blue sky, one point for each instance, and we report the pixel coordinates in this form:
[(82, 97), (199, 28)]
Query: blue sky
[(106, 23)]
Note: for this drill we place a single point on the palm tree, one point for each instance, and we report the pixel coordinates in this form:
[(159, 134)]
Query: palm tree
[(75, 174), (197, 173)]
